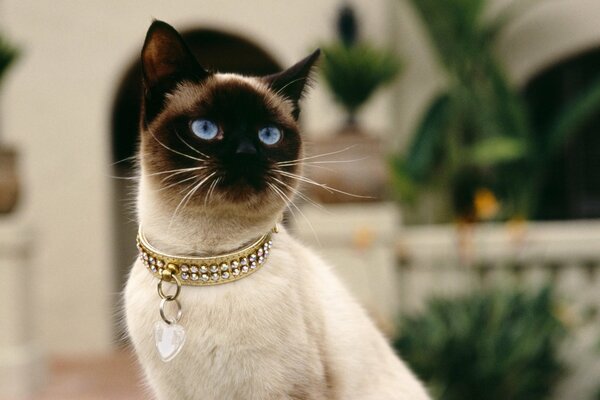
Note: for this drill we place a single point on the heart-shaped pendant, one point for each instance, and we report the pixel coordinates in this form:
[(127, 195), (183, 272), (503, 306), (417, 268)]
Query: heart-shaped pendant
[(169, 339)]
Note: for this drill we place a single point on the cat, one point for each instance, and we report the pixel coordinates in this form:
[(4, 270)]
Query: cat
[(288, 331)]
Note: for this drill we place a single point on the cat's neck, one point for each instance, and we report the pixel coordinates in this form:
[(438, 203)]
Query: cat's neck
[(199, 232)]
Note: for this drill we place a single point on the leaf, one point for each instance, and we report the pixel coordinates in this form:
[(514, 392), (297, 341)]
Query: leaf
[(572, 118), (421, 152), (496, 150), (402, 182)]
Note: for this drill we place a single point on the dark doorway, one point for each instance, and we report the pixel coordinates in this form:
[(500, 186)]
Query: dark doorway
[(572, 188)]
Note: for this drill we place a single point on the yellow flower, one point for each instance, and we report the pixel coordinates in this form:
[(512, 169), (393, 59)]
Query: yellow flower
[(486, 204)]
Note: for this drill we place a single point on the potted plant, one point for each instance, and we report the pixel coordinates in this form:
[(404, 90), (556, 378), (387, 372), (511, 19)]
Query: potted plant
[(9, 183), (353, 70)]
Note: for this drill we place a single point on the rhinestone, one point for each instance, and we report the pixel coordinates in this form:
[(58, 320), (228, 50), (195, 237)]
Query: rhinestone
[(214, 268), (252, 257), (253, 265), (145, 255), (225, 275), (184, 268), (215, 277), (270, 243), (204, 277), (259, 252), (261, 260), (266, 246), (195, 276), (153, 268), (152, 260), (185, 276), (235, 272), (203, 269), (266, 253), (224, 267), (160, 263), (244, 269), (244, 261), (194, 269), (234, 264)]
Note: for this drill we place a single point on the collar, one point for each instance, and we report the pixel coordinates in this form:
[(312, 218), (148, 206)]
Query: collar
[(205, 271)]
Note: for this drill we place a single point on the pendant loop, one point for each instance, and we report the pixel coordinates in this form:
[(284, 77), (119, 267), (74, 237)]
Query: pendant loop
[(169, 297), (163, 303)]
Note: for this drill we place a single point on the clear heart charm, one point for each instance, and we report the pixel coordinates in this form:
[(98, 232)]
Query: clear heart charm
[(169, 339)]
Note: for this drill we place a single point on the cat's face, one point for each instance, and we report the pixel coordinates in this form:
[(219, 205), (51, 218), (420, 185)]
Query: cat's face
[(217, 140)]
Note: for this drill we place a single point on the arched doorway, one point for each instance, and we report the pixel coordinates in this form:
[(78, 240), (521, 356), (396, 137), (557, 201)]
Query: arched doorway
[(217, 50), (572, 187)]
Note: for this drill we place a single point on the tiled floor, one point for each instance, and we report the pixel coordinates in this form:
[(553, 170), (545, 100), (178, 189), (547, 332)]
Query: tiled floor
[(111, 377)]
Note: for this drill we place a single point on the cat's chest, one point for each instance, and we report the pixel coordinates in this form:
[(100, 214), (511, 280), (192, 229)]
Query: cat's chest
[(230, 330)]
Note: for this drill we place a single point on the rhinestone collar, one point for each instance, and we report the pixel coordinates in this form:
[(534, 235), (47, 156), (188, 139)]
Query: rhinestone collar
[(206, 271)]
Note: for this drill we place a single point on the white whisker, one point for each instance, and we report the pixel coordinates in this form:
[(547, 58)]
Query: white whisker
[(190, 146), (183, 201), (318, 155), (174, 151), (321, 185)]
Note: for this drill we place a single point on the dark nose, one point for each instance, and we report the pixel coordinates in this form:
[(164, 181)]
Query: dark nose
[(245, 146)]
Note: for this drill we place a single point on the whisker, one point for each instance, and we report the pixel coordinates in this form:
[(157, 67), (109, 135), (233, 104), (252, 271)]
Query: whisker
[(310, 225), (190, 146), (177, 183), (211, 188), (321, 185), (318, 155), (176, 170), (180, 172), (290, 163), (277, 191), (300, 194), (174, 151), (189, 194)]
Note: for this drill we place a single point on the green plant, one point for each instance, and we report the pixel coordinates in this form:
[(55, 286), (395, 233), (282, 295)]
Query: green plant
[(497, 345), (8, 54), (478, 132), (352, 70)]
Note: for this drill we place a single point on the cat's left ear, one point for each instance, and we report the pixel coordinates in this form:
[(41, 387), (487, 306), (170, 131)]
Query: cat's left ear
[(292, 82)]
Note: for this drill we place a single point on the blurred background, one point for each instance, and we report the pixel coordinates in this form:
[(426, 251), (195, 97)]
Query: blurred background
[(467, 132)]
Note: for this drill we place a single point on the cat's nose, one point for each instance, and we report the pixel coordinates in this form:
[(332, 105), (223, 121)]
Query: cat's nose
[(245, 146)]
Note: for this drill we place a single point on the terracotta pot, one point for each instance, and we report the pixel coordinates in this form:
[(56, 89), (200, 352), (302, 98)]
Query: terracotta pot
[(9, 180), (358, 167)]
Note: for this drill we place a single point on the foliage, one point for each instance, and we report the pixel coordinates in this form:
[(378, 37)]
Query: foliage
[(353, 70), (8, 54), (479, 127), (497, 345)]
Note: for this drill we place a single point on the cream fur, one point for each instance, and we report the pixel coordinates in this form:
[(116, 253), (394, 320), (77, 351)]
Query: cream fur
[(289, 331)]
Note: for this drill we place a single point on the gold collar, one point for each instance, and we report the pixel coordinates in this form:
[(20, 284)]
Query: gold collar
[(205, 271)]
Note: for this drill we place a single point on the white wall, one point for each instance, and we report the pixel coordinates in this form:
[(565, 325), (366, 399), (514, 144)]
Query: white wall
[(56, 107)]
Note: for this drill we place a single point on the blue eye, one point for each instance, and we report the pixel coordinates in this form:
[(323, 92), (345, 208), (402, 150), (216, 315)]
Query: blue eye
[(205, 129), (269, 135)]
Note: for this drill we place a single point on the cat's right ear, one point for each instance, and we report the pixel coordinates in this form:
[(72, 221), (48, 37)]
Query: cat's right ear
[(166, 61)]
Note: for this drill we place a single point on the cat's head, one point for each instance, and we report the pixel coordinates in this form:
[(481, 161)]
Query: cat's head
[(211, 140)]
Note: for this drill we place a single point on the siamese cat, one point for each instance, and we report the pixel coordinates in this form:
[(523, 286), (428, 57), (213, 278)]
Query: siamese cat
[(220, 157)]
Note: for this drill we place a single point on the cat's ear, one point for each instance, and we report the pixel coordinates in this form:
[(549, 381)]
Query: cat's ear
[(166, 61), (292, 82)]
